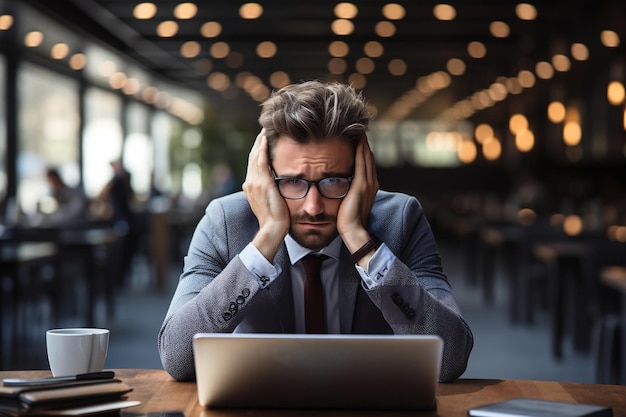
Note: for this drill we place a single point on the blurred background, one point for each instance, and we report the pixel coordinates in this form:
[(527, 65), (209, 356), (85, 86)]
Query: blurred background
[(121, 119)]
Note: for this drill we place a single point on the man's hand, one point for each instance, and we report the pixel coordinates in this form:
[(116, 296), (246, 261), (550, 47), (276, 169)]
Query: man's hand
[(267, 204), (356, 206)]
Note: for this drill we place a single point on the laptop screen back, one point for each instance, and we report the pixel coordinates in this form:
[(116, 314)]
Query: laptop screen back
[(238, 370)]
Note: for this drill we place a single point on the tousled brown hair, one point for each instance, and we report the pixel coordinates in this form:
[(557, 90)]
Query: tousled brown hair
[(315, 111)]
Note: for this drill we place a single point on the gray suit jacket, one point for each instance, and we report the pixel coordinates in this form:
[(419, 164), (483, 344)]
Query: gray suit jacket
[(216, 293)]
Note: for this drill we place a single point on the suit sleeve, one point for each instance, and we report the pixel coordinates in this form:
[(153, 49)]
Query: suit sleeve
[(214, 291), (415, 296)]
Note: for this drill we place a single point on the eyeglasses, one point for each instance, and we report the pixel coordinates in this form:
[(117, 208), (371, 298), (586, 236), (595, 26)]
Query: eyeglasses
[(297, 188)]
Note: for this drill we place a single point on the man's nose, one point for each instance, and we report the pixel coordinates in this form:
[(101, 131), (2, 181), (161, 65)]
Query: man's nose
[(313, 202)]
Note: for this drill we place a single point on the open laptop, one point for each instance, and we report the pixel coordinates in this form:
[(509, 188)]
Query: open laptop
[(237, 370)]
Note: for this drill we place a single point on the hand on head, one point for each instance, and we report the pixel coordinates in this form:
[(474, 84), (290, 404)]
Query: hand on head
[(268, 205), (356, 206)]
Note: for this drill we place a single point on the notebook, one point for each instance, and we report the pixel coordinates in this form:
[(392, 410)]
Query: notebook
[(528, 407), (237, 370)]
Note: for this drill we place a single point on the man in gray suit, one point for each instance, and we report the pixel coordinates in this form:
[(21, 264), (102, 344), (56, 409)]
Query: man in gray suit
[(311, 188)]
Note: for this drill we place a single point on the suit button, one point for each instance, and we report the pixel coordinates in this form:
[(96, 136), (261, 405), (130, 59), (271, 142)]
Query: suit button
[(410, 313), (397, 299)]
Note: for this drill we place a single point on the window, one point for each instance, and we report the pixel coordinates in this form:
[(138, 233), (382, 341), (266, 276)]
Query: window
[(102, 138), (48, 131), (3, 131)]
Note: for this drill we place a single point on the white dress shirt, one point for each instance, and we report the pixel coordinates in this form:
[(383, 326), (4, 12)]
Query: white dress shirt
[(377, 268)]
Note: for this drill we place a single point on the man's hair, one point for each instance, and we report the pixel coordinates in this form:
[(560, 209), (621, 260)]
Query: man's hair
[(315, 111)]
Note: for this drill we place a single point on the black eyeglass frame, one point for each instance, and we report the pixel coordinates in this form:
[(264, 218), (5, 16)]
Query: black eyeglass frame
[(309, 183)]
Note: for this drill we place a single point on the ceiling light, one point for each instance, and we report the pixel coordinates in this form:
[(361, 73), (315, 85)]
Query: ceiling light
[(337, 66), (483, 132), (556, 112), (358, 81), (393, 11), (499, 29), (580, 52), (59, 51), (167, 29), (342, 27), (219, 50), (517, 123), (476, 49), (117, 80), (444, 12), (211, 29), (524, 140), (525, 11), (33, 39), (561, 63), (455, 66), (397, 67), (609, 38), (190, 49), (385, 29), (544, 70), (338, 49), (6, 21), (78, 62), (373, 49), (492, 149), (266, 49), (185, 11), (145, 11), (365, 65), (526, 78), (279, 79), (615, 93), (346, 11), (251, 11), (218, 81)]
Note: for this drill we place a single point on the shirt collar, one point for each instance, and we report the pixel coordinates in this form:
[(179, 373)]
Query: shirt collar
[(297, 252)]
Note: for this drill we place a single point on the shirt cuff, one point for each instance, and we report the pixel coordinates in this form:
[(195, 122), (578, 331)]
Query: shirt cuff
[(262, 269), (377, 267)]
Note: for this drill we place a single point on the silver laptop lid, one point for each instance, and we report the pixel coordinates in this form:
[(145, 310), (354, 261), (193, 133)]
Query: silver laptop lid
[(317, 371)]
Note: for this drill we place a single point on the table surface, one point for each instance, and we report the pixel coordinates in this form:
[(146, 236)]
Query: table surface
[(158, 392)]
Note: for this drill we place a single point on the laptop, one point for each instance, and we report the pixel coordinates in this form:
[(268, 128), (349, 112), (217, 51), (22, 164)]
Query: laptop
[(296, 371)]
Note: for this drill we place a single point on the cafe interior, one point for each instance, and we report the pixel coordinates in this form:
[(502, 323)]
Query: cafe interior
[(506, 119)]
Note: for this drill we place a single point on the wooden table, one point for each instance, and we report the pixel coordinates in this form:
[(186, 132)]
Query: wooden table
[(158, 392)]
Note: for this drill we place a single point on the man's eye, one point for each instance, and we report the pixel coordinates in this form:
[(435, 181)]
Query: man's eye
[(292, 181)]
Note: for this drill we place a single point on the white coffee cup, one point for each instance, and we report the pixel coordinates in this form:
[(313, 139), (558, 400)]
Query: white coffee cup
[(76, 350)]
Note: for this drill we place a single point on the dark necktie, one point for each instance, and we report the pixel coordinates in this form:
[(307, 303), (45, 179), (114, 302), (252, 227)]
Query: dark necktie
[(314, 312)]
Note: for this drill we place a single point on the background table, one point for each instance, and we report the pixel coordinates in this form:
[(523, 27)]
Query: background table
[(158, 392)]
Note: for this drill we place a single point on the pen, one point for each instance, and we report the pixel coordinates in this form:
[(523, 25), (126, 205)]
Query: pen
[(16, 382)]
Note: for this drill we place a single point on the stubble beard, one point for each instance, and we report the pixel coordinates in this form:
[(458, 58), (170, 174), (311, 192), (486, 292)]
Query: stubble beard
[(313, 239)]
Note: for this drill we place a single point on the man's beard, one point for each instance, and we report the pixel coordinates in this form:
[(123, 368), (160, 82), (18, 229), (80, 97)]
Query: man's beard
[(313, 239)]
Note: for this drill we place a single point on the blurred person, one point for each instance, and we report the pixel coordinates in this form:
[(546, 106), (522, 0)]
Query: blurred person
[(70, 201), (311, 188), (119, 197)]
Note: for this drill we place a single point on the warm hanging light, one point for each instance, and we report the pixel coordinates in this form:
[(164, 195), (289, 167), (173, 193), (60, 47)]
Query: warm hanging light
[(338, 49), (615, 93), (556, 112), (346, 10), (444, 12), (251, 11), (393, 11)]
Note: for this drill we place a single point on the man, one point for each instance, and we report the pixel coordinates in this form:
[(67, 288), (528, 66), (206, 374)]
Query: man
[(311, 186)]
